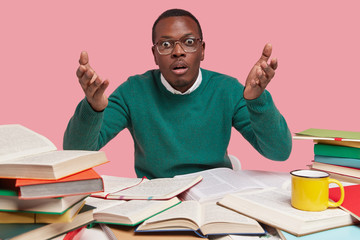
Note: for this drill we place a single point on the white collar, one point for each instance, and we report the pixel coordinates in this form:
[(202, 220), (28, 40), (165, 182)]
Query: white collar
[(190, 90)]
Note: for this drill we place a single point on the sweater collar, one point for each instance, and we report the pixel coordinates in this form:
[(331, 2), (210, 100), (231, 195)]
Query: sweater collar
[(174, 91)]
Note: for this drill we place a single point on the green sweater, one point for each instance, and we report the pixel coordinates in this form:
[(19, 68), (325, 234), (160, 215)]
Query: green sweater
[(179, 134)]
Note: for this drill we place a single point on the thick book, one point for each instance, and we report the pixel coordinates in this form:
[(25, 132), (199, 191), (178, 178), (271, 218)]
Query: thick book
[(26, 217), (218, 182), (27, 154), (42, 231), (130, 212), (85, 182), (273, 207), (143, 188), (343, 178), (339, 143), (347, 162), (332, 136), (12, 203), (203, 218), (331, 168), (336, 151), (351, 200)]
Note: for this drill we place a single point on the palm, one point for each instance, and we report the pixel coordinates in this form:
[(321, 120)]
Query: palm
[(91, 84), (260, 75)]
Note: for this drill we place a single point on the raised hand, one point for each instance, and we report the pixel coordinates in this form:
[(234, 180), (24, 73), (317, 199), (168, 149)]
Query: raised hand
[(260, 75), (92, 85)]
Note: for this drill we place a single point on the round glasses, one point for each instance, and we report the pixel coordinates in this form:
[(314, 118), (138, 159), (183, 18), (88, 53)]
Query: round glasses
[(188, 44)]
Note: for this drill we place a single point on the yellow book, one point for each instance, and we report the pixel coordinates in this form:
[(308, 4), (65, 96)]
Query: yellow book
[(16, 217), (25, 217)]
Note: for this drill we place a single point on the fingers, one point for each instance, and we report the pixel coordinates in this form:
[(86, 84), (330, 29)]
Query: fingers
[(93, 87), (268, 71), (80, 71), (86, 76), (274, 63), (84, 71), (101, 89), (266, 53), (84, 58)]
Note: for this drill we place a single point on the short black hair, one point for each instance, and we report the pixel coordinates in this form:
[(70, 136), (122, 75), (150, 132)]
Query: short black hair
[(175, 13)]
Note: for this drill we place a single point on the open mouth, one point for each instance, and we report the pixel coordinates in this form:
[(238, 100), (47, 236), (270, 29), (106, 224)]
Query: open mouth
[(179, 68)]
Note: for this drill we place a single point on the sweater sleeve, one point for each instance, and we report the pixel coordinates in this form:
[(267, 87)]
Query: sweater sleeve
[(261, 124), (91, 130)]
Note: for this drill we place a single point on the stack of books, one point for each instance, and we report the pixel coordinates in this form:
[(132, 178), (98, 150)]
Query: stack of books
[(42, 189), (336, 152)]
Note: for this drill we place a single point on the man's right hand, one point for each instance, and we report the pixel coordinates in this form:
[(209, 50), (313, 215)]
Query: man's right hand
[(91, 83)]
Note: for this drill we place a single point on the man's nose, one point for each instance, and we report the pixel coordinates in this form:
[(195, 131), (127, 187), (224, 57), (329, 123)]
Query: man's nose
[(178, 51)]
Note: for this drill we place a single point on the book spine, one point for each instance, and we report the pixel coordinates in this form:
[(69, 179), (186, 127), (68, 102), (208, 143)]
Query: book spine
[(336, 151), (347, 162)]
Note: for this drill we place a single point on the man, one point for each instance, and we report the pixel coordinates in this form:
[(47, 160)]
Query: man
[(180, 116)]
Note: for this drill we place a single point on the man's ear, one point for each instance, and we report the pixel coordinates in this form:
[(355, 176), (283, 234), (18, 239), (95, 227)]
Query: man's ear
[(203, 50), (153, 52)]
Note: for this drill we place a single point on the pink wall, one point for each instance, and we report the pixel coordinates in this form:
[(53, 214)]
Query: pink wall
[(316, 43)]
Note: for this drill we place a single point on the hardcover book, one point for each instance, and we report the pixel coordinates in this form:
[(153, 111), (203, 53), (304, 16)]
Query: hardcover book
[(85, 182)]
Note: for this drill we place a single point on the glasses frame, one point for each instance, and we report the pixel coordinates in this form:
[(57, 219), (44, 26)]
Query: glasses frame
[(199, 40)]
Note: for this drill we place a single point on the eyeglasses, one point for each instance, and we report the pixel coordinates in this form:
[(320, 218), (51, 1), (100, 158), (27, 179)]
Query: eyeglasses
[(188, 44)]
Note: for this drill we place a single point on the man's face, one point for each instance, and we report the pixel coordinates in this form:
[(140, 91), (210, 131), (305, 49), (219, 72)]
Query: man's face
[(179, 68)]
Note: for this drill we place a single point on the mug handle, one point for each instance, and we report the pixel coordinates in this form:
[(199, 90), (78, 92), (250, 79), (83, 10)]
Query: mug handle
[(338, 203)]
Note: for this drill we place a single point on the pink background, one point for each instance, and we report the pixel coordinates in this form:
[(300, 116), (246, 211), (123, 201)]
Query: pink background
[(316, 43)]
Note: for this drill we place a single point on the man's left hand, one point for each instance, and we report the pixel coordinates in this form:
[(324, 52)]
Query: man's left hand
[(260, 75)]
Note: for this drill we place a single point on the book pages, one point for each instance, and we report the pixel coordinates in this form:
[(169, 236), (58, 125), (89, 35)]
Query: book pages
[(213, 213), (113, 184), (50, 158), (280, 201), (159, 188), (17, 141), (102, 204), (218, 182), (273, 206), (190, 210), (133, 210)]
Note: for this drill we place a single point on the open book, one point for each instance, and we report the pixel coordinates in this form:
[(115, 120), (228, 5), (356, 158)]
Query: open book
[(27, 154), (143, 188), (127, 212), (218, 182), (273, 207), (202, 218)]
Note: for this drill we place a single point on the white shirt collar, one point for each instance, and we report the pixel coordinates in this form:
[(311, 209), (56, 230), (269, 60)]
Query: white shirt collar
[(190, 90)]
